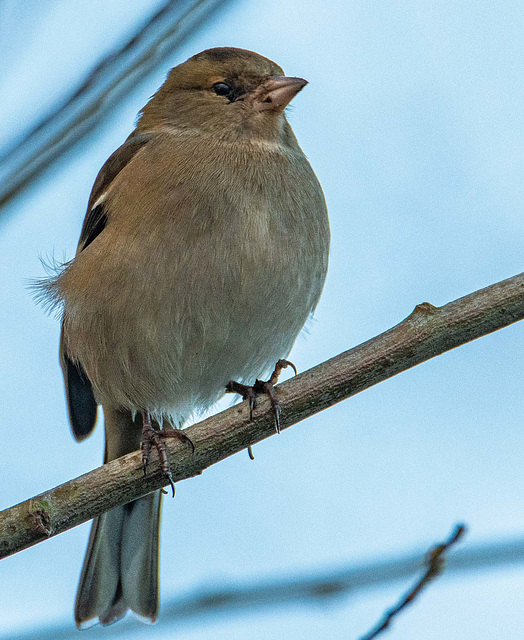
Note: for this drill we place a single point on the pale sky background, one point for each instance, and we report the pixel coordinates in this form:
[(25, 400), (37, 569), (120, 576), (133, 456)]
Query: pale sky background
[(414, 123)]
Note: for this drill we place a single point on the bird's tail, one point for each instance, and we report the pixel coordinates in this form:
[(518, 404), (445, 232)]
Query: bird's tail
[(120, 569)]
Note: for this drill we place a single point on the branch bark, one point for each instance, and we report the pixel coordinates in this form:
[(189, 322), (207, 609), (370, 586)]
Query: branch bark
[(429, 331)]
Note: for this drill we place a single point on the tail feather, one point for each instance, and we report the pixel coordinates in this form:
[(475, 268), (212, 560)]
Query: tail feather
[(120, 569), (98, 590), (139, 558)]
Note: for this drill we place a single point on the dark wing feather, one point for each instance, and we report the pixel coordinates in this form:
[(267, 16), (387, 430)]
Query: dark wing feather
[(94, 223), (81, 403)]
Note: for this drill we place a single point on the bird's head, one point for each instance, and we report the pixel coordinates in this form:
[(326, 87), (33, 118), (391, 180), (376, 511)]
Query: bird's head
[(224, 91)]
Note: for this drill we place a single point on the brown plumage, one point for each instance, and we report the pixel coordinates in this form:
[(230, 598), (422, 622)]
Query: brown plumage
[(202, 254)]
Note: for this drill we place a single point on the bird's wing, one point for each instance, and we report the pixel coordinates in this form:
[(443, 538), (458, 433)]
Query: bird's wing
[(96, 216), (81, 403)]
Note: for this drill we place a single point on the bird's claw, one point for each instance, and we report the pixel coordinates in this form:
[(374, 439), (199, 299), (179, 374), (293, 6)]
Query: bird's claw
[(266, 387), (154, 437)]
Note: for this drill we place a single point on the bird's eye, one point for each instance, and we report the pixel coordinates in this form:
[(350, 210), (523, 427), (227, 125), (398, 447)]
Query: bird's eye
[(222, 89)]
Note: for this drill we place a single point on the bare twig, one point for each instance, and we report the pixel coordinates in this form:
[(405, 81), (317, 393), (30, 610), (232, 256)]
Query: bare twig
[(97, 96), (329, 586), (435, 566), (426, 333)]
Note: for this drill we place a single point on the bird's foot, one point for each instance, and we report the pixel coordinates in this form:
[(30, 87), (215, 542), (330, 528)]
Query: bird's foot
[(267, 388), (152, 437)]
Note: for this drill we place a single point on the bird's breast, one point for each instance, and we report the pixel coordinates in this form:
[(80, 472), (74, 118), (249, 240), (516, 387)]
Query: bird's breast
[(202, 276)]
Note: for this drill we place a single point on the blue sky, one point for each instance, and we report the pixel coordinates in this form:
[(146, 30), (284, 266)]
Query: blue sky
[(414, 123)]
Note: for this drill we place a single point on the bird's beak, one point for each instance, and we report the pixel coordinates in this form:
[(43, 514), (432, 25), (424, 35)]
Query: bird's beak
[(276, 93)]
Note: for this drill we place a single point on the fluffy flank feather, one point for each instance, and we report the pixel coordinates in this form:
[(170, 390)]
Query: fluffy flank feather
[(45, 291)]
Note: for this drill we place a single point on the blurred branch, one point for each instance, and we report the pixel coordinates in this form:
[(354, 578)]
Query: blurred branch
[(435, 566), (108, 83), (426, 333), (327, 587)]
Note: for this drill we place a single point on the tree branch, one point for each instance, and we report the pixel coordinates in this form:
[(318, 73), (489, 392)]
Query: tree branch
[(434, 567), (426, 333), (268, 594), (96, 97)]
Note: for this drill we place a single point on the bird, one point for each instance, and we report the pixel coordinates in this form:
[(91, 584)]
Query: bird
[(202, 254)]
